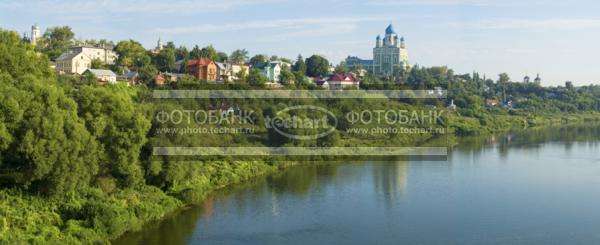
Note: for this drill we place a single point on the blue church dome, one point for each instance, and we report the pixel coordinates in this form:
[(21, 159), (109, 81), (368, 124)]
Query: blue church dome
[(390, 30)]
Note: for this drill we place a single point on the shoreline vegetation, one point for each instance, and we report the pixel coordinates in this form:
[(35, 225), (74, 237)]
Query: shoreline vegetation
[(76, 162)]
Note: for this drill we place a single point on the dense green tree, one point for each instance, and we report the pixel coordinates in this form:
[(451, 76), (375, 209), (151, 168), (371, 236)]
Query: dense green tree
[(222, 57), (57, 40), (300, 65), (286, 76), (258, 59), (239, 56), (111, 116), (129, 52), (316, 66), (196, 53), (256, 77), (43, 144), (165, 59), (182, 53), (209, 52), (98, 64), (147, 72)]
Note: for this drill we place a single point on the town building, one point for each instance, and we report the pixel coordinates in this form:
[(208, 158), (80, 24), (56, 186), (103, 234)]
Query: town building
[(159, 46), (104, 54), (202, 69), (538, 80), (389, 55), (73, 63), (104, 76), (270, 69), (342, 81), (36, 34), (228, 72), (491, 102)]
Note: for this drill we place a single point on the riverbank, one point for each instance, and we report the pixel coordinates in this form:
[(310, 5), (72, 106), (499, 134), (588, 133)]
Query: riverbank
[(102, 214)]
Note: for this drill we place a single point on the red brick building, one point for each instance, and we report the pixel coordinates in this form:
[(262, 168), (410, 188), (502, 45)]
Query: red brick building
[(202, 69)]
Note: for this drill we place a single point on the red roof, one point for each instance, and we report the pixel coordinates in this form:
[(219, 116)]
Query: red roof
[(342, 77), (202, 62)]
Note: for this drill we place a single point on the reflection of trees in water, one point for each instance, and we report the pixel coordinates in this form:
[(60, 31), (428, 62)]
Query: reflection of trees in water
[(175, 229), (300, 179), (390, 180), (531, 139)]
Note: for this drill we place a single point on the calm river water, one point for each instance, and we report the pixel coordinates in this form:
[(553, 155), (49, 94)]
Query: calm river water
[(539, 187)]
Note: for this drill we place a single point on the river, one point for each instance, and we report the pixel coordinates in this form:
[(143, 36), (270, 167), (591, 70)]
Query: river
[(534, 187)]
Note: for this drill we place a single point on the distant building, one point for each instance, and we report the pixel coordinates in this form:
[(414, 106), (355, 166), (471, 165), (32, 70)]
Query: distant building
[(35, 34), (73, 63), (202, 69), (353, 61), (159, 47), (389, 55), (538, 80), (491, 102), (341, 81), (271, 70), (104, 54), (526, 79), (106, 76), (452, 106), (131, 77)]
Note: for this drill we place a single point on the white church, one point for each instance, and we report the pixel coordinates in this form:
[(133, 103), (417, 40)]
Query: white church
[(389, 55)]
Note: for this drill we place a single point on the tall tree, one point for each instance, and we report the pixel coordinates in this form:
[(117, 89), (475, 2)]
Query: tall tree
[(209, 52), (222, 57), (57, 40), (258, 59), (182, 53), (239, 56), (196, 53), (129, 52), (165, 59), (300, 65), (317, 66)]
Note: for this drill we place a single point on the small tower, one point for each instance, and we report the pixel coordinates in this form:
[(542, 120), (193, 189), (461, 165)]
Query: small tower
[(526, 79), (35, 34), (159, 44), (402, 43), (378, 43), (538, 80)]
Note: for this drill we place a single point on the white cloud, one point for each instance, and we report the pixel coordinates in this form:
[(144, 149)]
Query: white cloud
[(446, 2), (300, 26), (128, 6), (533, 25)]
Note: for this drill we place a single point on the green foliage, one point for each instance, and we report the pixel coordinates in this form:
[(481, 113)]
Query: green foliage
[(238, 56), (98, 64), (76, 163), (316, 66), (56, 40), (255, 77), (300, 66), (165, 60), (129, 52)]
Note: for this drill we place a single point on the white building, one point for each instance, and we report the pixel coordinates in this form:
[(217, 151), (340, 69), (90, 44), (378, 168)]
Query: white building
[(73, 63), (103, 75), (107, 56), (79, 58), (35, 34), (389, 54)]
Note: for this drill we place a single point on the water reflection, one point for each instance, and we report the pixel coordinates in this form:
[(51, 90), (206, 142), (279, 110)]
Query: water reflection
[(391, 180), (480, 195)]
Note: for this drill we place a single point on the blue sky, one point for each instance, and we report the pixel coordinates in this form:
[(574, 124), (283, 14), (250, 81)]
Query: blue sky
[(558, 39)]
